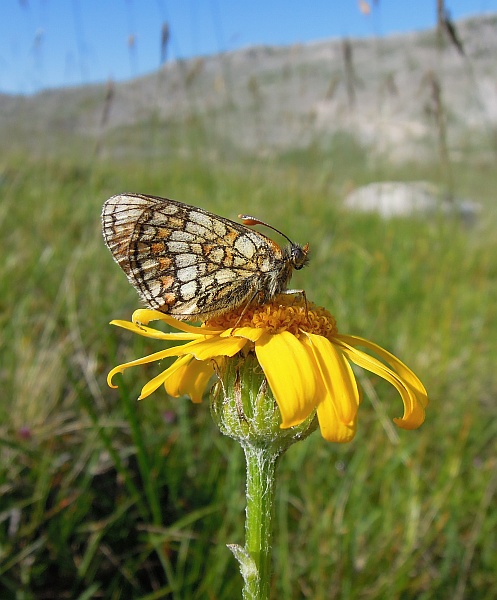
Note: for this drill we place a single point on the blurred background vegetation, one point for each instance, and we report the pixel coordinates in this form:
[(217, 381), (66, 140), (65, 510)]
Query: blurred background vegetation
[(104, 497)]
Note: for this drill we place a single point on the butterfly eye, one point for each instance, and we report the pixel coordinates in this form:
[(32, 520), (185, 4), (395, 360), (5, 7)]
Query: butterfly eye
[(299, 256)]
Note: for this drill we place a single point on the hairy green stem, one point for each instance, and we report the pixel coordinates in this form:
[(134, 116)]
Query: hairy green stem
[(261, 466)]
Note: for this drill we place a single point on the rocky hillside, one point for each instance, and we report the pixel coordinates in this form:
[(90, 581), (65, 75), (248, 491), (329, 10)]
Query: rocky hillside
[(392, 94)]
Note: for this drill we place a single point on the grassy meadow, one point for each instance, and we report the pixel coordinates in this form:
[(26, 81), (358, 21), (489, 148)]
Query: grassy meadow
[(105, 497)]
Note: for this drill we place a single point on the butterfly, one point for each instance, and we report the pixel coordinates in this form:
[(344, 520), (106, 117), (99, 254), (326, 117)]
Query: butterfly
[(193, 264)]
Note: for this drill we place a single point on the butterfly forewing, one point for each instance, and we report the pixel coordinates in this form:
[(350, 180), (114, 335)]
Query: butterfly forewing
[(188, 262)]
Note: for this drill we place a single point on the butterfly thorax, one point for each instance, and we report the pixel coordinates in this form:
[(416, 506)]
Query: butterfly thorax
[(293, 256)]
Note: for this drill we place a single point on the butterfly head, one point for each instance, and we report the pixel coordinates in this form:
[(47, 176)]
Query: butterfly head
[(295, 253), (298, 255)]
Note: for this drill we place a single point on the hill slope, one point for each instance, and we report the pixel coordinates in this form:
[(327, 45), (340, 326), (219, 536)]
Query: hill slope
[(389, 93)]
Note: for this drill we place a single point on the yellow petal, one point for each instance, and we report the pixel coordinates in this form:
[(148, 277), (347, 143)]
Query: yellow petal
[(141, 361), (211, 347), (410, 388), (191, 379), (337, 376), (250, 333), (157, 381), (155, 333), (291, 374), (202, 349), (332, 428), (145, 315), (402, 369)]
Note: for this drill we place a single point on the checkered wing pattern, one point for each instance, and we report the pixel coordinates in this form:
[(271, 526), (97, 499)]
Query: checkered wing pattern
[(188, 262)]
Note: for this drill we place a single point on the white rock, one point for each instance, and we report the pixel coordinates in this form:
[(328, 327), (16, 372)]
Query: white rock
[(399, 198)]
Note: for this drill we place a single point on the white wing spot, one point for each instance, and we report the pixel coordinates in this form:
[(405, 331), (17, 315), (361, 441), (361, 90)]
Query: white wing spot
[(238, 261), (178, 247), (185, 260), (187, 274), (149, 233), (245, 246), (216, 255), (168, 209), (181, 236), (199, 230), (265, 265), (200, 218), (155, 288), (148, 265), (219, 228), (188, 290), (224, 276), (129, 214)]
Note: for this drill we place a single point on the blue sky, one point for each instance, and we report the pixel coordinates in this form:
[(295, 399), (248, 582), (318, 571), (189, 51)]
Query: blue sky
[(49, 43)]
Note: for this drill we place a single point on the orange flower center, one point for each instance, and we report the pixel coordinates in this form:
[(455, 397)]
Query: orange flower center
[(284, 313)]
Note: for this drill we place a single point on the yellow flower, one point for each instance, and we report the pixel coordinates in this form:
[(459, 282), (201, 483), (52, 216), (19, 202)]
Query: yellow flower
[(305, 360)]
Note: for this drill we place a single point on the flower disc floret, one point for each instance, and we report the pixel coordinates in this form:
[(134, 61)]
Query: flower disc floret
[(286, 313)]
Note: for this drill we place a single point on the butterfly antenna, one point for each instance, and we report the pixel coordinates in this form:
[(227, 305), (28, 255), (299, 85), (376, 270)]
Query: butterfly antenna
[(248, 220)]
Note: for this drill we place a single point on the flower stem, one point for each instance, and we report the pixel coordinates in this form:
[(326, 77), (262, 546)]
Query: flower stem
[(244, 408), (261, 466)]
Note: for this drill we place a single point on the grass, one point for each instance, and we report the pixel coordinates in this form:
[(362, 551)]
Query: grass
[(104, 497)]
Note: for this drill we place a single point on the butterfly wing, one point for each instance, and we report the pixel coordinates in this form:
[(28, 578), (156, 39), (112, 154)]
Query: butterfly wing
[(183, 260)]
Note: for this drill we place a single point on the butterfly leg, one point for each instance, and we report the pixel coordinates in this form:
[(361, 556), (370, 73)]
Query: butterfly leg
[(303, 295)]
